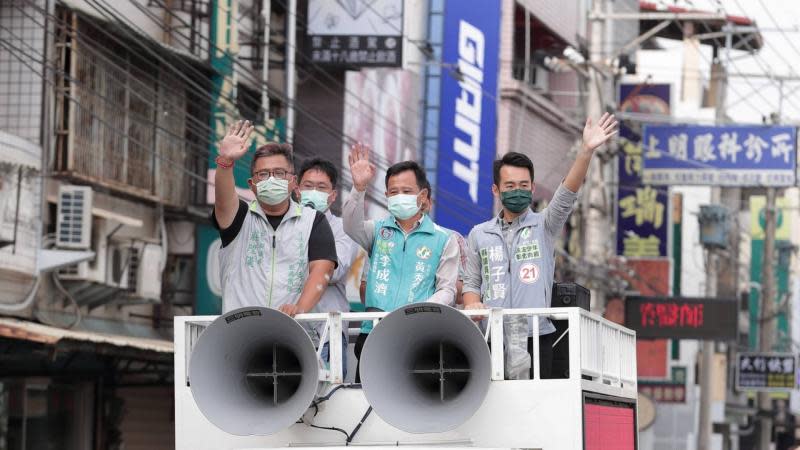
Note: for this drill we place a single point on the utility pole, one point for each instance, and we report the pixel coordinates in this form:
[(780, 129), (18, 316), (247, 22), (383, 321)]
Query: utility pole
[(594, 220), (704, 427), (291, 87), (766, 317)]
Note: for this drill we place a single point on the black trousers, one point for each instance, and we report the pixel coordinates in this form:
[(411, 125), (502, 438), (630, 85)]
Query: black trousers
[(362, 338), (545, 354)]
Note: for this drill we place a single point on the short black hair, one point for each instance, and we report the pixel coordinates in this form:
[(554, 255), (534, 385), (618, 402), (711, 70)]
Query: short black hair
[(323, 165), (272, 149), (512, 159), (419, 173)]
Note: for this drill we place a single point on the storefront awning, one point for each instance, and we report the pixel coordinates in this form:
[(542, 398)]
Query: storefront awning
[(34, 332)]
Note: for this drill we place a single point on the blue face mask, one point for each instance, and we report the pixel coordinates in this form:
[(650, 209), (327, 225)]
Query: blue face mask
[(272, 191), (403, 206), (316, 199)]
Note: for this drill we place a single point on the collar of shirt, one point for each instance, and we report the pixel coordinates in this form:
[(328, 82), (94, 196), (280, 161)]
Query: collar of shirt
[(416, 224), (294, 209), (514, 223)]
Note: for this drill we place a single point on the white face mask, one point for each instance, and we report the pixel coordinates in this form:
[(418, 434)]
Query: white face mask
[(272, 191), (316, 199), (403, 206)]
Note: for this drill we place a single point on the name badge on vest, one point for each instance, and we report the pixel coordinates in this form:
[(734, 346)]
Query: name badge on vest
[(525, 252)]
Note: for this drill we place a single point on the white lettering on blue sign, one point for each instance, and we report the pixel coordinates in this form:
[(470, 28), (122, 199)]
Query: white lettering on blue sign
[(468, 105)]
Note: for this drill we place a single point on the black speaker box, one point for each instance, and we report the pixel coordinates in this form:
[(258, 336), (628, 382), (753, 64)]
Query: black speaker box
[(570, 294)]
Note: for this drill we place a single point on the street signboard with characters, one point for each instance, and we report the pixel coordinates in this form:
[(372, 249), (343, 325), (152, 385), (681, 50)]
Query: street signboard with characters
[(765, 371)]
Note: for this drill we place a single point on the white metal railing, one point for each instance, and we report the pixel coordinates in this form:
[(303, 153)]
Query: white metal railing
[(603, 351)]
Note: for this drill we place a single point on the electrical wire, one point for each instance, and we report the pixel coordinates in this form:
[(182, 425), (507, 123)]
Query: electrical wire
[(117, 18), (377, 198), (371, 195)]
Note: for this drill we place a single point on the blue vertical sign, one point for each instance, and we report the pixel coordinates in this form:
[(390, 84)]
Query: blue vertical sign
[(468, 113), (642, 209)]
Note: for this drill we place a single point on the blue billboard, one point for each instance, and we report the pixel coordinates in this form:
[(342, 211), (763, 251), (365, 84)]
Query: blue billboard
[(719, 155), (642, 214), (468, 113)]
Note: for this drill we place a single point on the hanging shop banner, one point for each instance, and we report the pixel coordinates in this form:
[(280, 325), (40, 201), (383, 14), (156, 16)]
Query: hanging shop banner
[(468, 114), (765, 371), (720, 155), (355, 33), (642, 215), (682, 317)]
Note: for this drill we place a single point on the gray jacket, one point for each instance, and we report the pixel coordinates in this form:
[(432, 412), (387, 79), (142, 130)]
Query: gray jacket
[(511, 266), (264, 267)]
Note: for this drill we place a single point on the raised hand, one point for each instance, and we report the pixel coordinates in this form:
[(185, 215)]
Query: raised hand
[(595, 135), (361, 169), (236, 141)]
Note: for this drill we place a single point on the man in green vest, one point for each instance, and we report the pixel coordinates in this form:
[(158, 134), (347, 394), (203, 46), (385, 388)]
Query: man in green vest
[(411, 258)]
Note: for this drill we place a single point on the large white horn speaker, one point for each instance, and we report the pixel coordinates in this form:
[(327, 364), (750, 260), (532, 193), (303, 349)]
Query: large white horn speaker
[(253, 371), (425, 368)]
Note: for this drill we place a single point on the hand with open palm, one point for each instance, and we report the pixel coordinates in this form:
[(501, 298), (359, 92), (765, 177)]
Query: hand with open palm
[(361, 169), (595, 135), (236, 141)]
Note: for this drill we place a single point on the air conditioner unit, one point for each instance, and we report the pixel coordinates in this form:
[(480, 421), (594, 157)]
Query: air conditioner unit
[(148, 274), (94, 270), (122, 263), (74, 221)]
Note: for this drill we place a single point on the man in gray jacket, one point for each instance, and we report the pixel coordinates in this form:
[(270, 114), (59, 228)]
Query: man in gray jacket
[(511, 257)]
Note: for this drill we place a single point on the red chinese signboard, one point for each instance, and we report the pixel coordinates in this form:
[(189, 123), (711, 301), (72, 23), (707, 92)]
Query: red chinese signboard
[(664, 392), (682, 317), (671, 314)]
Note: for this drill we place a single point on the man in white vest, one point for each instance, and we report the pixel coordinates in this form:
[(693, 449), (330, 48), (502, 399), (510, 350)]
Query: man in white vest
[(275, 252)]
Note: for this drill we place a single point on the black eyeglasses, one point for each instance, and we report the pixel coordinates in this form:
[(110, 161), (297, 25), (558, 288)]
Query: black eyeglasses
[(277, 173)]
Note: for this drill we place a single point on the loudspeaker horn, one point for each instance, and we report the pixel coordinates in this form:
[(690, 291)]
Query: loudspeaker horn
[(253, 371), (425, 368)]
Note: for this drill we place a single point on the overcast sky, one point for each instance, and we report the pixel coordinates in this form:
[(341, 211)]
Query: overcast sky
[(780, 56)]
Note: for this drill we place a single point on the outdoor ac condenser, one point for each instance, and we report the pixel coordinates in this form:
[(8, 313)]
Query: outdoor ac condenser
[(74, 222)]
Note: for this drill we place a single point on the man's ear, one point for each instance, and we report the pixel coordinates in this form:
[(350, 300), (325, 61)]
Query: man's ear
[(332, 197), (495, 190), (423, 195)]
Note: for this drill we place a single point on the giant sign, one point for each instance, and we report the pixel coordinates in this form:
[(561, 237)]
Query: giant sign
[(468, 114), (720, 155)]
